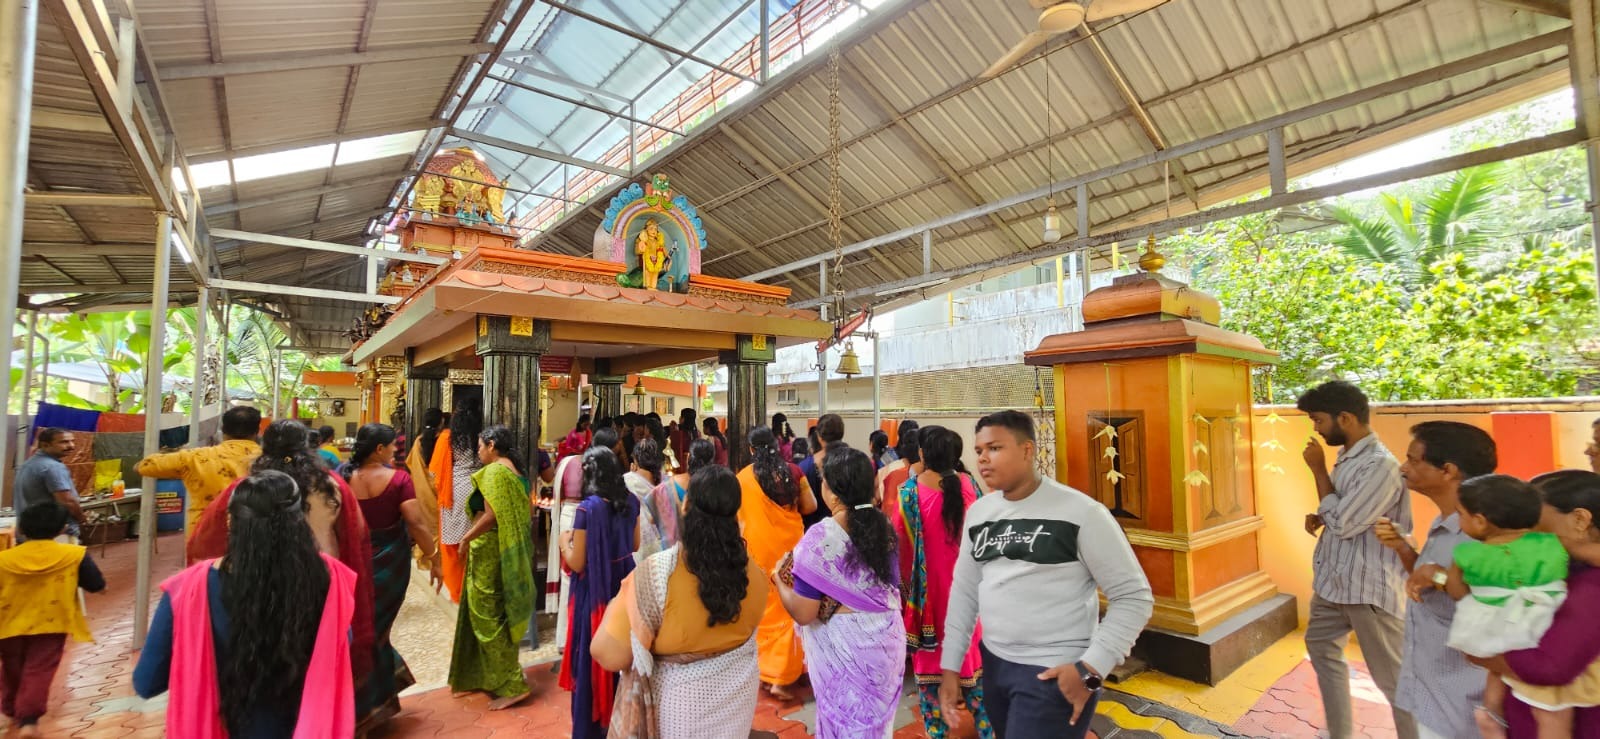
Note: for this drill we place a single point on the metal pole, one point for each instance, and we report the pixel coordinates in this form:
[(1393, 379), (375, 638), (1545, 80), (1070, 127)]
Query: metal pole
[(927, 252), (197, 395), (152, 425), (27, 384), (222, 352), (822, 380), (633, 144), (766, 41), (277, 377), (18, 24), (1585, 65), (877, 385)]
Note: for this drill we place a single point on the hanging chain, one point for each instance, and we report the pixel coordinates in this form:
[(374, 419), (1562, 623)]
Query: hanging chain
[(835, 214)]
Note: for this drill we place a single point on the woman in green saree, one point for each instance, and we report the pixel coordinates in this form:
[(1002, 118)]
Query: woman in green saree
[(497, 592)]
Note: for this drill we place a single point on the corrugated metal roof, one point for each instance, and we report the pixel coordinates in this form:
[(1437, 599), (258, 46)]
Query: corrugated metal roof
[(1200, 67), (923, 137)]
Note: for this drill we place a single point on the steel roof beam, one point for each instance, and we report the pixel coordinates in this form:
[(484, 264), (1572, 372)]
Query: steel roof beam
[(646, 39), (504, 61), (582, 104), (1258, 128), (534, 151), (246, 237), (303, 292), (287, 63), (289, 197), (88, 199), (1557, 8), (1513, 150), (283, 146)]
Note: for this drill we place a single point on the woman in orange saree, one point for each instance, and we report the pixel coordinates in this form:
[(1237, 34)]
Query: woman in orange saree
[(773, 496)]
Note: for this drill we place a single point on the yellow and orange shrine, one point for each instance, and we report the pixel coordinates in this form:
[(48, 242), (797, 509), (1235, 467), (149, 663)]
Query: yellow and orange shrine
[(1153, 420)]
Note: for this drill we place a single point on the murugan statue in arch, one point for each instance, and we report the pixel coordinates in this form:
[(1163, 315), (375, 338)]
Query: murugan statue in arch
[(655, 233)]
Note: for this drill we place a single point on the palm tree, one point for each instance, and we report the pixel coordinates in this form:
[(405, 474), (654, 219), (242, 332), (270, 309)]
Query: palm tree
[(1412, 235)]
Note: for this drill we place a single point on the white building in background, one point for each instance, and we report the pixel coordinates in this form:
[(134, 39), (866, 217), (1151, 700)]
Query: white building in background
[(958, 355)]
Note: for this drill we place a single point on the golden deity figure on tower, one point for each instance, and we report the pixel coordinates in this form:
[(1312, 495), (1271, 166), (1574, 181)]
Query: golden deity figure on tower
[(651, 246)]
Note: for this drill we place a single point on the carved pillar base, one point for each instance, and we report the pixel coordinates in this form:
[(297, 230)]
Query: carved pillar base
[(607, 391), (510, 348), (424, 390), (747, 393)]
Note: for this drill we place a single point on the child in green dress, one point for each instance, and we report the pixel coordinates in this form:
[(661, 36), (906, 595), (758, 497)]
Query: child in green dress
[(1508, 584)]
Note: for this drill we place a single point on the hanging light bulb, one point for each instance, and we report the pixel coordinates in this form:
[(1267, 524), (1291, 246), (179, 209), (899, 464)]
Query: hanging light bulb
[(455, 254), (1052, 225)]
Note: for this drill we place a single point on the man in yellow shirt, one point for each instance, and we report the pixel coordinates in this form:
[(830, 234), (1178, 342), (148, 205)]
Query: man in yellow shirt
[(207, 471)]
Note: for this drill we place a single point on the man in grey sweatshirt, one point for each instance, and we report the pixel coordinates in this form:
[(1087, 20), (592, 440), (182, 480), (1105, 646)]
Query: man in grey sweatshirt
[(1034, 552)]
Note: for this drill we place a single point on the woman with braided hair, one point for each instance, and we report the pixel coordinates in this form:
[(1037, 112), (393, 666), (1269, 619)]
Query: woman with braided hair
[(774, 495), (331, 511), (929, 511), (842, 587)]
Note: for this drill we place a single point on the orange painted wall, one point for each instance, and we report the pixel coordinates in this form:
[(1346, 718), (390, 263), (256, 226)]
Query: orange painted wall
[(1287, 493), (1525, 442), (1223, 563)]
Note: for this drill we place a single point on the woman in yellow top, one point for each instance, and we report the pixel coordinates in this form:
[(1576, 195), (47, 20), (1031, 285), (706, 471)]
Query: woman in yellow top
[(684, 624), (774, 495)]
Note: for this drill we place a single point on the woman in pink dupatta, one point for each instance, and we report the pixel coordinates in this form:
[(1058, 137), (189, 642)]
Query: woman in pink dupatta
[(928, 516), (841, 586), (280, 612)]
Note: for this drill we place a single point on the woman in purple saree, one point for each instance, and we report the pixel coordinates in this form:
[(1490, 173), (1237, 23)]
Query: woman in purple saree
[(841, 586)]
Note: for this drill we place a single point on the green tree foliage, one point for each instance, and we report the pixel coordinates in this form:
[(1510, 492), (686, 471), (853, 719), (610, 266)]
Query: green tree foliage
[(1413, 234), (1462, 332)]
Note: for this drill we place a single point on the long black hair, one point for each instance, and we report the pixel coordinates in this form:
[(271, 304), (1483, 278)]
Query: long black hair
[(906, 445), (605, 436), (465, 426), (702, 453), (369, 439), (500, 439), (713, 547), (877, 443), (713, 429), (848, 474), (780, 427), (771, 469), (686, 424), (286, 448), (941, 454), (432, 419), (647, 455), (276, 584), (602, 476)]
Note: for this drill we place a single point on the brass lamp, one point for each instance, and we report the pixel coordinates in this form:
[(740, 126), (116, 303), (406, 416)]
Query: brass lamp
[(638, 388)]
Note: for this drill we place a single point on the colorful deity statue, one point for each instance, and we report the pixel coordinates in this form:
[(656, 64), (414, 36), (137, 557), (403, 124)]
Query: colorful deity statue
[(651, 246)]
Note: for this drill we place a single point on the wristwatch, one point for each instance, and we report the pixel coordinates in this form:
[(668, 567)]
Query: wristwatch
[(1441, 578), (1090, 679)]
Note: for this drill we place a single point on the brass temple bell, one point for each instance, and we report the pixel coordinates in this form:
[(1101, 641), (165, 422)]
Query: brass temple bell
[(849, 363)]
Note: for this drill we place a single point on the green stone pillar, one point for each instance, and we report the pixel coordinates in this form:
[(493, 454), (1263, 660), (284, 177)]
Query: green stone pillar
[(511, 347), (607, 391), (747, 392), (424, 390)]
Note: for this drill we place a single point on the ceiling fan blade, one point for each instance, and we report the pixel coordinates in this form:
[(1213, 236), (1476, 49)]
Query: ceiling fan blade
[(1102, 9), (1027, 44)]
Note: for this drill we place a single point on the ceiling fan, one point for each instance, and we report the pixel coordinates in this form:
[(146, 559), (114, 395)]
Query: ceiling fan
[(1056, 18)]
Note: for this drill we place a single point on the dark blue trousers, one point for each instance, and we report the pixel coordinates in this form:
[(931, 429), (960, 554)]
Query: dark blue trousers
[(1022, 706)]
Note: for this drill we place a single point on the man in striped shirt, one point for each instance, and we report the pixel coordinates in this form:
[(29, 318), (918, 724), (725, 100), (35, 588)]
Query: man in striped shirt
[(1357, 583)]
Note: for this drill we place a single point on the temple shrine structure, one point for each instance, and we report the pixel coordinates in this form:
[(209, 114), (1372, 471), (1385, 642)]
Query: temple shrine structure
[(505, 322)]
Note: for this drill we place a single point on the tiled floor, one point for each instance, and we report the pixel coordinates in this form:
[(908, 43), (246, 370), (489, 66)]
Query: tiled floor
[(92, 697)]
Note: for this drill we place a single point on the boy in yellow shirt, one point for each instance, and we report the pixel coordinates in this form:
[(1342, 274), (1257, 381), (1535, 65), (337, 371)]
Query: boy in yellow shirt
[(39, 581)]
